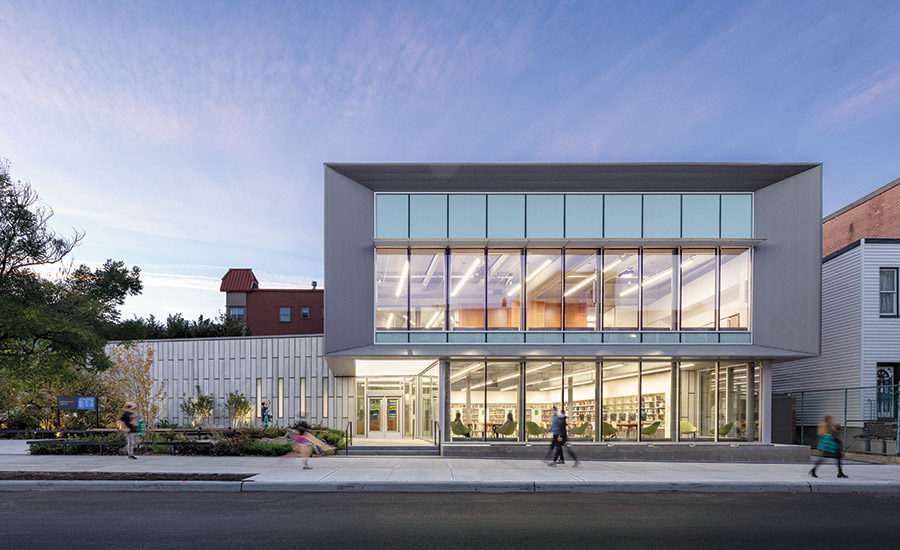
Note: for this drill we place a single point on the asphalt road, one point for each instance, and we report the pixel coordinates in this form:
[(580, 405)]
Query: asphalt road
[(470, 521)]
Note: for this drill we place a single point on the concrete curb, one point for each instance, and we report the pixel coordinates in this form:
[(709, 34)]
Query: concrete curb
[(881, 487)]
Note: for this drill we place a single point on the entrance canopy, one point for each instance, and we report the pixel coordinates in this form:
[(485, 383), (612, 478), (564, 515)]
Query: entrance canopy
[(391, 367)]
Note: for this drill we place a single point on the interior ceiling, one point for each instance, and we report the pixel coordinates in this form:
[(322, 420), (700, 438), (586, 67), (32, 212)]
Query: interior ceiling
[(392, 367), (556, 177)]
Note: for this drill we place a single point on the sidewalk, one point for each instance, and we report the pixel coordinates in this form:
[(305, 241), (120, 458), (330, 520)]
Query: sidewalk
[(427, 474)]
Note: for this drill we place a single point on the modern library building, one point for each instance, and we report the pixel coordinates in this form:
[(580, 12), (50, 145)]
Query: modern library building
[(647, 301)]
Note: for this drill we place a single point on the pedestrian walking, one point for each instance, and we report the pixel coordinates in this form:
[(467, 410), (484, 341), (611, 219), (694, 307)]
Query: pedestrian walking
[(562, 440), (301, 442), (829, 446), (129, 423), (554, 433), (265, 414)]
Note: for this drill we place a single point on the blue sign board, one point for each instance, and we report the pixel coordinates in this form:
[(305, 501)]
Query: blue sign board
[(87, 403)]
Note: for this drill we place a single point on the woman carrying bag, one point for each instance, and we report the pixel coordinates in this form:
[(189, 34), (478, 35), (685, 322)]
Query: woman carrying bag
[(829, 446)]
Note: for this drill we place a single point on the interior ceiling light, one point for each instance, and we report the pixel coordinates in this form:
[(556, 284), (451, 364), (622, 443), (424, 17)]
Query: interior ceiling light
[(653, 279), (530, 276), (466, 276), (433, 319), (460, 374), (581, 284), (610, 266), (402, 281)]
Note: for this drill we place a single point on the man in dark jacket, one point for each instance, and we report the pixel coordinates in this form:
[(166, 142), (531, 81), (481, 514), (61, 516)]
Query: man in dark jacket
[(561, 438)]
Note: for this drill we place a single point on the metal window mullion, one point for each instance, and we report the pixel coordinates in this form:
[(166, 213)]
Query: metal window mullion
[(408, 289), (717, 299), (598, 402), (485, 401), (640, 401), (484, 260), (716, 404)]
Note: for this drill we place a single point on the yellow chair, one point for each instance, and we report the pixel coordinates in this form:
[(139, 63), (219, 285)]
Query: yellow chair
[(688, 428)]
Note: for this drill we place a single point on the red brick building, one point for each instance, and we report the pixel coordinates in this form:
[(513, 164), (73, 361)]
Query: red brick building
[(270, 312), (874, 216)]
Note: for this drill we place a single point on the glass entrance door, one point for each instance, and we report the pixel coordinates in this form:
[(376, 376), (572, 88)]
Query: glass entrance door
[(384, 416)]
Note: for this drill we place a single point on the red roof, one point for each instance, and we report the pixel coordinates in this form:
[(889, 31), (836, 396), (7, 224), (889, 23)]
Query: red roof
[(239, 280)]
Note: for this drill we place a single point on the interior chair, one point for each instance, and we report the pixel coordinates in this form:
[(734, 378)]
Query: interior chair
[(607, 430), (509, 428), (579, 430), (533, 429), (723, 430), (651, 429), (458, 428), (688, 428)]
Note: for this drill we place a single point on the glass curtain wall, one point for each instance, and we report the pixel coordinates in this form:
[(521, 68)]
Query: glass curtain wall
[(503, 413), (504, 289), (427, 289), (658, 388), (579, 385), (734, 294), (360, 407), (620, 400), (542, 392), (391, 278), (738, 401), (698, 289), (467, 406), (428, 403), (659, 284), (697, 405), (582, 290), (409, 400), (543, 289), (621, 286), (467, 289)]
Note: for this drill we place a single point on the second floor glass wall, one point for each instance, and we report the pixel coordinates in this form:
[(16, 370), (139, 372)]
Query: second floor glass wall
[(614, 290)]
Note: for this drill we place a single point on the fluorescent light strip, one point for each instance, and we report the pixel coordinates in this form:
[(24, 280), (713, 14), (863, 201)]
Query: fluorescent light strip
[(390, 320), (466, 277), (531, 276), (654, 278), (614, 366), (402, 279), (433, 319), (610, 266), (460, 374), (581, 284)]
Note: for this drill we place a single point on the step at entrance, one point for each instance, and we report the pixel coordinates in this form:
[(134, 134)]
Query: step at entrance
[(393, 450)]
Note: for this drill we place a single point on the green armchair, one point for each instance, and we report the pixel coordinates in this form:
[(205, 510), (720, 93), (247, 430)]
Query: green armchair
[(458, 428), (607, 430), (508, 428), (580, 430), (724, 430), (651, 429), (687, 428), (534, 430)]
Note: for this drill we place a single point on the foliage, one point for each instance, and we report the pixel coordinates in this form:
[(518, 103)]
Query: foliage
[(237, 407), (175, 326), (270, 448), (51, 330), (198, 409), (130, 379), (166, 425)]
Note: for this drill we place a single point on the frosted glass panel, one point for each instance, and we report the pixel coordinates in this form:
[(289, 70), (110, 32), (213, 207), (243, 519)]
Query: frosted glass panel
[(622, 216), (584, 216), (700, 216), (662, 216), (506, 216), (427, 216), (468, 215), (544, 216), (392, 216), (737, 217)]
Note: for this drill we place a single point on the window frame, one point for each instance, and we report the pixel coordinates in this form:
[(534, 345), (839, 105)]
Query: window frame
[(281, 311), (896, 293), (304, 312)]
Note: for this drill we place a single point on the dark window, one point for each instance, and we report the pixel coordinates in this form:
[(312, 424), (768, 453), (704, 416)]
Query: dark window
[(887, 292), (304, 312), (284, 314), (236, 313)]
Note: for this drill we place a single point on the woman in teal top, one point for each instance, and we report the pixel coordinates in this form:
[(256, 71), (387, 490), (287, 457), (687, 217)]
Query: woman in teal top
[(829, 446)]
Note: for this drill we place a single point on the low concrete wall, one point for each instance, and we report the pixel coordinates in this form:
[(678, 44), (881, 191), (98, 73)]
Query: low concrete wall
[(704, 452)]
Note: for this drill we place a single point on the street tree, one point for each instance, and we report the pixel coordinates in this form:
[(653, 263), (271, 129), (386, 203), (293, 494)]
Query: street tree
[(130, 379)]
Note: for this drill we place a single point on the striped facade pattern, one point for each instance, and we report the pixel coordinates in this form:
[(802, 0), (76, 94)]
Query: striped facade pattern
[(223, 365), (854, 339)]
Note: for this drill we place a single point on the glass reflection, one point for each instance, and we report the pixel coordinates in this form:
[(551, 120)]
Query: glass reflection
[(621, 289), (738, 401), (427, 289), (504, 289), (391, 285), (619, 419), (659, 300), (579, 384), (697, 405), (582, 290), (502, 399), (467, 412), (543, 391), (698, 289), (466, 289), (658, 387), (543, 289), (734, 294)]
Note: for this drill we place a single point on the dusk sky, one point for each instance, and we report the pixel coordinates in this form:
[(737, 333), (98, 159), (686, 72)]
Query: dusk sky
[(189, 137)]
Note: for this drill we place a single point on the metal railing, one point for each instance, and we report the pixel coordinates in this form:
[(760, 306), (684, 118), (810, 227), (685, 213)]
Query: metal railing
[(863, 414), (348, 438), (436, 432)]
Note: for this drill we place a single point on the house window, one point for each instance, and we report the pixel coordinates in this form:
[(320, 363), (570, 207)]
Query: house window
[(284, 314), (887, 295), (304, 312), (237, 313)]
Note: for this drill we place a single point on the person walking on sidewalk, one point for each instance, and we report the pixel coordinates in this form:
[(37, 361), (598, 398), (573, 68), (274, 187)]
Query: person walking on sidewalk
[(265, 414), (829, 446), (562, 440), (128, 423), (554, 433), (301, 443)]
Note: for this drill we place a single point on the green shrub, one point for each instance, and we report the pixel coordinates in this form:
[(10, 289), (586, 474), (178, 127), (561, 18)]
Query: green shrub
[(268, 448), (165, 425)]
